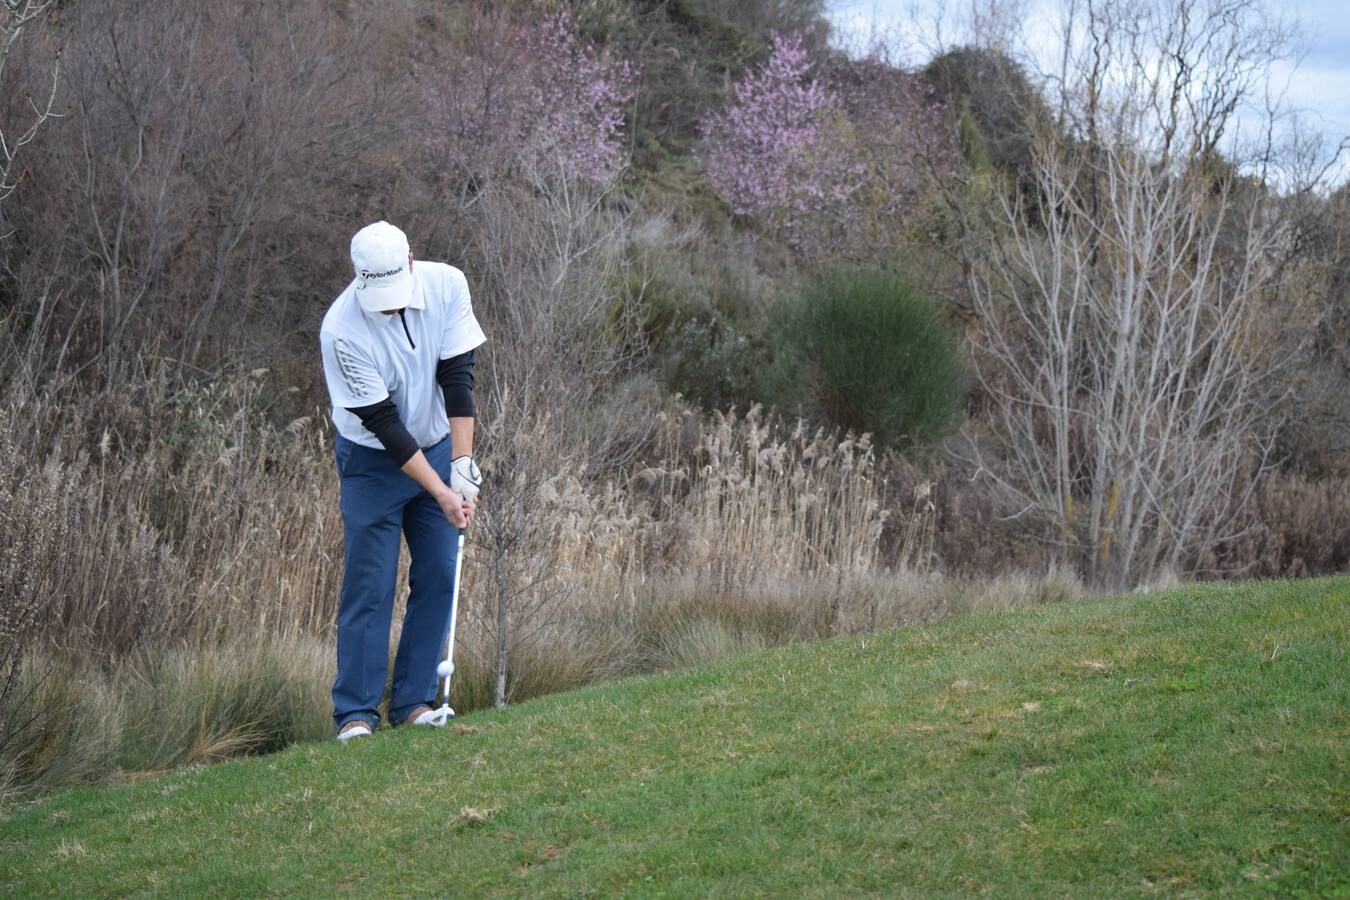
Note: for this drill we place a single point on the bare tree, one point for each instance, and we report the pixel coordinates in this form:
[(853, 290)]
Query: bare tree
[(135, 87), (15, 17), (522, 589), (205, 146), (549, 246), (1127, 313)]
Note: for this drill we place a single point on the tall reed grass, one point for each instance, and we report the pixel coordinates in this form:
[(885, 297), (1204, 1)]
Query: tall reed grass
[(173, 556)]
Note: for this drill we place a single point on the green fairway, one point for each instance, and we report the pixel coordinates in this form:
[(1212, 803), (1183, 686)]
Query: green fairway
[(1190, 742)]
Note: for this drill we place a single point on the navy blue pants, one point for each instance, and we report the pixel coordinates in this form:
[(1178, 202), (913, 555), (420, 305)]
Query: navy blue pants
[(380, 502)]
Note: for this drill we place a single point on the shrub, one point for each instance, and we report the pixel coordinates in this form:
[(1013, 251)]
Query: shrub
[(998, 106), (870, 352), (711, 363), (1293, 527), (704, 299)]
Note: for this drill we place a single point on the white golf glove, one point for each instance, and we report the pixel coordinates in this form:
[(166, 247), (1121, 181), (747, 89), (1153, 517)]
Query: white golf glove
[(465, 479)]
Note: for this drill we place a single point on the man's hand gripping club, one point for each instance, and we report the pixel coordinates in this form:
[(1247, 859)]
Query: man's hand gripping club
[(457, 507)]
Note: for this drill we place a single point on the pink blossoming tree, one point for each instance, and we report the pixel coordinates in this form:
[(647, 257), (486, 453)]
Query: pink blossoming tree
[(527, 98), (826, 158)]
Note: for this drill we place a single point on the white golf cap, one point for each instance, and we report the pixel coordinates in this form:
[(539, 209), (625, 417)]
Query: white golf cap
[(380, 257)]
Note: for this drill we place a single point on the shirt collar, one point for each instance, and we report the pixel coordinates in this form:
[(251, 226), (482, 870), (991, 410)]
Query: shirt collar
[(418, 301)]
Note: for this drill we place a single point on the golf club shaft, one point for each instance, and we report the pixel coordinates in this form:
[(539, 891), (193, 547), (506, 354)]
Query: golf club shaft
[(454, 617)]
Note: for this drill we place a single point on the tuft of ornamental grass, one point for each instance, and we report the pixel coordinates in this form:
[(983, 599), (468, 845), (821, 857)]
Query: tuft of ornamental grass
[(73, 720), (210, 702)]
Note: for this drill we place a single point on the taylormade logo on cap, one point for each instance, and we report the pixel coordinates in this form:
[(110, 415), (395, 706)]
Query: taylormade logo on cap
[(380, 258)]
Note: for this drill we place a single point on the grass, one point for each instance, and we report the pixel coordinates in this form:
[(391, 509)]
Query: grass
[(1191, 742)]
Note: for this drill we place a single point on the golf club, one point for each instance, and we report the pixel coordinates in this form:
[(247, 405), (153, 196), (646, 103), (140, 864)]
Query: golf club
[(446, 668)]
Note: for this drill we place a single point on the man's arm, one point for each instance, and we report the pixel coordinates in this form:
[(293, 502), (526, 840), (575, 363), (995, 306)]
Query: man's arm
[(461, 436), (456, 509), (455, 376), (382, 420)]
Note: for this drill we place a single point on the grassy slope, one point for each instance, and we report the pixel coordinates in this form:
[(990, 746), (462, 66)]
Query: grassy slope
[(1189, 741)]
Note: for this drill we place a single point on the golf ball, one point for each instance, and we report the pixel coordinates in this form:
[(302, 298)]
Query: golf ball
[(445, 668)]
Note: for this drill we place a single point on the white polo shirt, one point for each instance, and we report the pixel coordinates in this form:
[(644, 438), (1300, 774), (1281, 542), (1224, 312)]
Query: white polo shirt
[(368, 356)]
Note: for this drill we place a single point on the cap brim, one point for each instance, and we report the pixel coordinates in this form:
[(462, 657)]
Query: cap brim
[(386, 297)]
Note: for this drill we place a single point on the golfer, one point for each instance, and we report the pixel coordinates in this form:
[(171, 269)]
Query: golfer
[(398, 358)]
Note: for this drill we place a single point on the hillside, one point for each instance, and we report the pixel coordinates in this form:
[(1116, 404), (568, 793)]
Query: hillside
[(1190, 741)]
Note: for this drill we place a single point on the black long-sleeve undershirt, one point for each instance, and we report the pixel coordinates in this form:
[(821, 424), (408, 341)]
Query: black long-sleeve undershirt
[(455, 377), (381, 419)]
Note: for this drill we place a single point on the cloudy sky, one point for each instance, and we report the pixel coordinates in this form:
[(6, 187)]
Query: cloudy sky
[(1318, 86)]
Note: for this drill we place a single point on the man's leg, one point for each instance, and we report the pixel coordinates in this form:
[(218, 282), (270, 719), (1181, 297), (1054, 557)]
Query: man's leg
[(431, 574), (371, 519)]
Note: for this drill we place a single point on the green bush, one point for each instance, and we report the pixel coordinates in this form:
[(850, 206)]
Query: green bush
[(869, 351), (702, 309)]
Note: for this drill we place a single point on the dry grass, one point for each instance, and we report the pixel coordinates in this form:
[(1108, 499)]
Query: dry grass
[(171, 584), (209, 521)]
